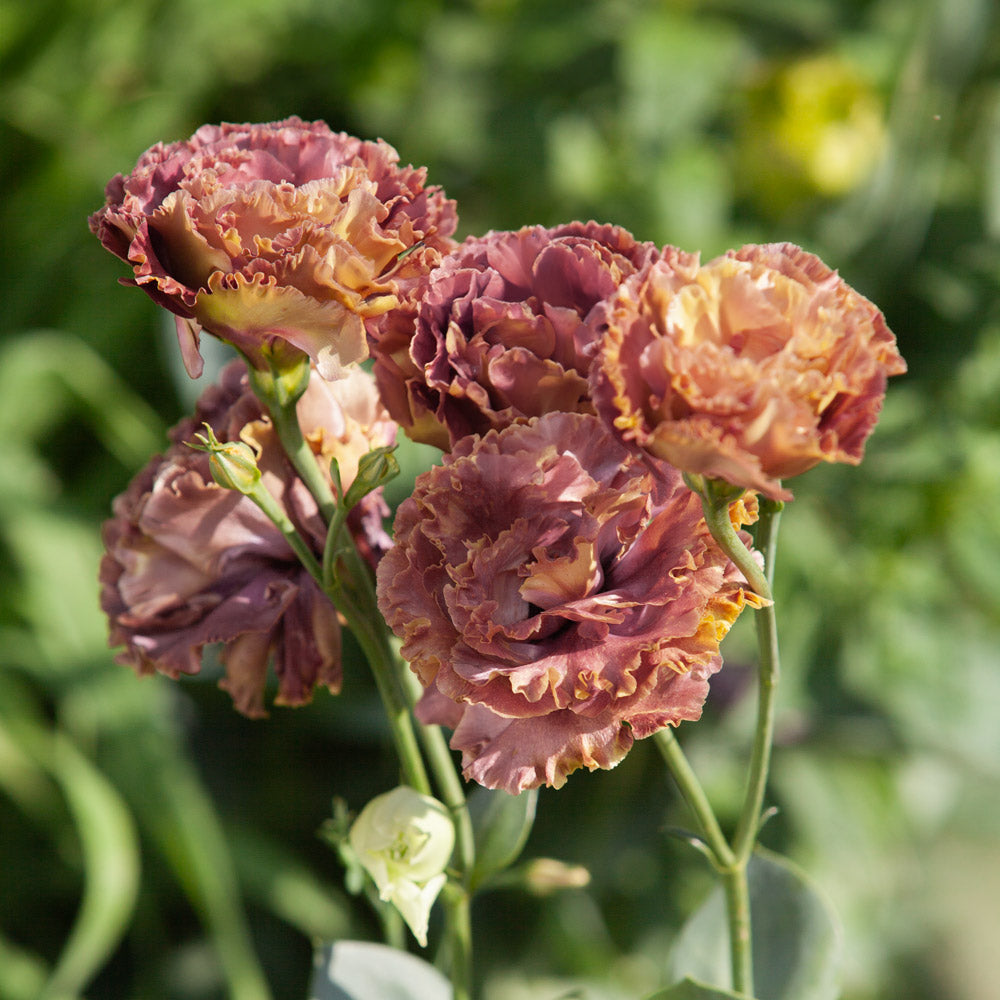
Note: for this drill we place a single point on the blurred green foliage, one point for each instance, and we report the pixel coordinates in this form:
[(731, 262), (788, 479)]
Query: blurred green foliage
[(157, 845)]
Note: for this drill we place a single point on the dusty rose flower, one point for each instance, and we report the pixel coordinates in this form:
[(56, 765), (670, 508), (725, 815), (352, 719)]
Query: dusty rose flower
[(189, 563), (751, 368), (556, 599), (496, 333), (279, 238)]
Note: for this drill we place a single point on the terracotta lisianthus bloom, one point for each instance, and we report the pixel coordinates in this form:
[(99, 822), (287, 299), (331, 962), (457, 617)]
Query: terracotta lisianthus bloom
[(496, 332), (279, 238), (556, 599), (189, 563), (751, 368)]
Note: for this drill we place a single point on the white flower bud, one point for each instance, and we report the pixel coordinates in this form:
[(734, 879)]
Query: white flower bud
[(404, 840)]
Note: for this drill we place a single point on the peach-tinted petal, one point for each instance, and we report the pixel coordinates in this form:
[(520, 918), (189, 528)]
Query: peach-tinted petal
[(751, 368)]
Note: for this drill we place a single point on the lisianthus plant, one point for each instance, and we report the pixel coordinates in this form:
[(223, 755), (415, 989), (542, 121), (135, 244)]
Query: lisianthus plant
[(616, 422)]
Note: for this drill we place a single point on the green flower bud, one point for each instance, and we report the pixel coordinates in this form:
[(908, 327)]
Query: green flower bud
[(233, 464)]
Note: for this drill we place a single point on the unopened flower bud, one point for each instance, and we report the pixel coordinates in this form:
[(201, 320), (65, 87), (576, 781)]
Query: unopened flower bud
[(545, 875), (404, 841), (374, 470), (233, 463)]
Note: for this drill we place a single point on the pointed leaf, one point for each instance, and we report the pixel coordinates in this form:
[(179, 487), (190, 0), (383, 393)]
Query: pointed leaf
[(362, 970), (110, 851), (796, 937), (691, 989), (501, 823)]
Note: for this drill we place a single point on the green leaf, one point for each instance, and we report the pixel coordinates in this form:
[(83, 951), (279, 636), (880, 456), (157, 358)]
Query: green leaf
[(796, 937), (22, 974), (501, 823), (111, 856), (691, 989), (361, 970)]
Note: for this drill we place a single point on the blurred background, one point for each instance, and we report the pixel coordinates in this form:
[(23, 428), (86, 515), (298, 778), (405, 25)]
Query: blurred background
[(154, 844)]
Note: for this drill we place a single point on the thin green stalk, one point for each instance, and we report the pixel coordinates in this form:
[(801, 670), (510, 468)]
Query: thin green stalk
[(731, 858), (449, 785), (286, 423), (352, 592), (732, 869), (457, 898), (737, 892), (364, 624), (346, 579), (694, 795), (393, 679), (719, 524), (457, 904), (769, 671), (282, 522)]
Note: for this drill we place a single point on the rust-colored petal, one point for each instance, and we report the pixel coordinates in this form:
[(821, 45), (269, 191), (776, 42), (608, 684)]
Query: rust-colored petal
[(556, 599)]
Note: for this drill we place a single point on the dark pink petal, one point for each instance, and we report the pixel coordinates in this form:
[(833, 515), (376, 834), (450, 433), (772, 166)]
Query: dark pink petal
[(497, 333), (278, 234)]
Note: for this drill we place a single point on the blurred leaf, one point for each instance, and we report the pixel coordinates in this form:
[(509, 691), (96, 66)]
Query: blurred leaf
[(137, 721), (22, 975), (796, 938), (45, 373), (111, 864), (502, 824), (177, 812), (281, 883), (101, 823), (57, 556), (360, 970)]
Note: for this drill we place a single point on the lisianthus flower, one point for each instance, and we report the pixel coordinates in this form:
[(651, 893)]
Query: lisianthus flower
[(556, 598), (189, 563), (280, 238), (404, 841), (496, 333), (751, 368)]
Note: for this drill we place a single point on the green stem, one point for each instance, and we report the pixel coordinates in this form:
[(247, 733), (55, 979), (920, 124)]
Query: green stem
[(351, 591), (457, 899), (732, 858), (364, 621), (694, 795), (769, 671), (717, 518), (281, 521), (737, 892), (286, 423), (449, 784), (347, 581), (732, 869), (457, 903)]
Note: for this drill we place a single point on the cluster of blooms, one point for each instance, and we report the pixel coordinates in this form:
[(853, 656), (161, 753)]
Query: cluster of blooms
[(553, 580)]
